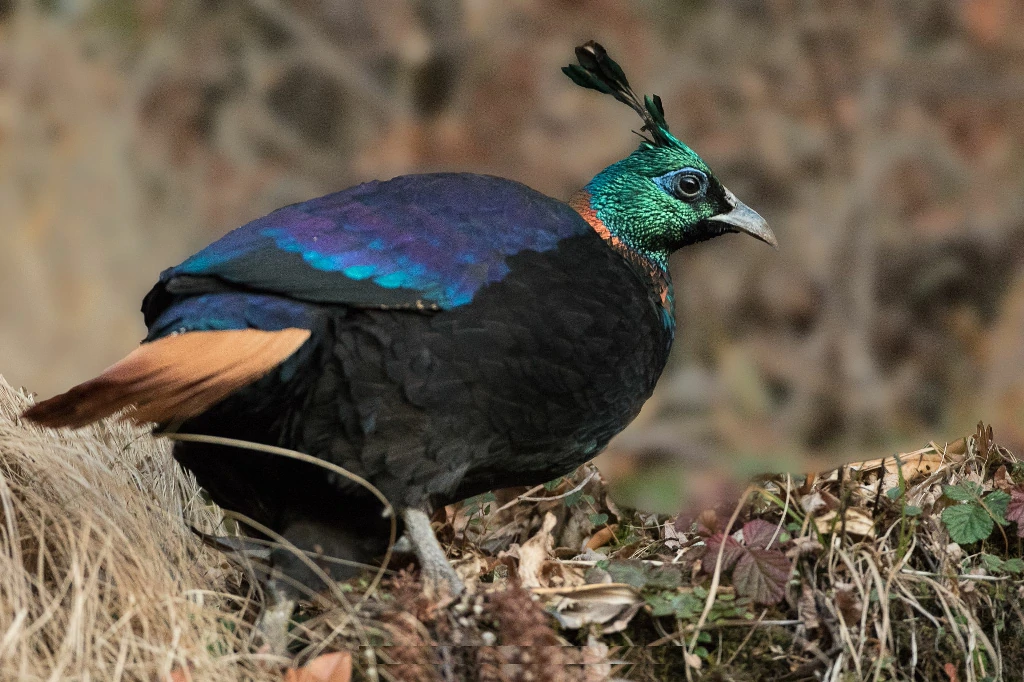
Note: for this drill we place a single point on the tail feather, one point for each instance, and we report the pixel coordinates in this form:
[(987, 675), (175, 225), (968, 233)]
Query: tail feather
[(172, 378)]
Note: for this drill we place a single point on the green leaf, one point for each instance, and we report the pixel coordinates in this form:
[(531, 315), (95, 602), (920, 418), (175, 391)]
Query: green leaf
[(997, 502), (554, 483), (645, 576), (631, 572), (599, 519), (684, 606), (1014, 565), (589, 499), (963, 492), (893, 493), (573, 499), (991, 562), (911, 510), (967, 523)]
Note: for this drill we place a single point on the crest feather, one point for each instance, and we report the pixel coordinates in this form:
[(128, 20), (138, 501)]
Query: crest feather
[(597, 71)]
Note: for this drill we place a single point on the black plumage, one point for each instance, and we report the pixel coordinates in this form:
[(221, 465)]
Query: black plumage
[(437, 335)]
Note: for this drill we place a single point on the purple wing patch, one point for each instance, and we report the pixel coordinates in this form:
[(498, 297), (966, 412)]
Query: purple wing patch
[(415, 240)]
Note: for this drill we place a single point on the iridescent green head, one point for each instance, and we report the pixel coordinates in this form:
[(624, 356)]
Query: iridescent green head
[(663, 196)]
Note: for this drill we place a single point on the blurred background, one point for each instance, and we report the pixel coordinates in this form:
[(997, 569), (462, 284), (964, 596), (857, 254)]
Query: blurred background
[(883, 141)]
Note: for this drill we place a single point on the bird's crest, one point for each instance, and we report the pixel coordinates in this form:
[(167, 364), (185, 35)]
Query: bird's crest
[(597, 71)]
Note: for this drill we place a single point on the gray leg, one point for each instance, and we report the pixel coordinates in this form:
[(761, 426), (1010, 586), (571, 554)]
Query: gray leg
[(438, 574), (273, 622)]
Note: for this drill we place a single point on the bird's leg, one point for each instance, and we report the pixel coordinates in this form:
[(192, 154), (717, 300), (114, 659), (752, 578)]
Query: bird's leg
[(273, 622), (438, 573)]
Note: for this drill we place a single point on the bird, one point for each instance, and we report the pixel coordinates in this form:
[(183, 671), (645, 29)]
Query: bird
[(438, 335)]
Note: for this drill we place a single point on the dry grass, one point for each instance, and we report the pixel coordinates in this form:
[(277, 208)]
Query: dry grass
[(100, 577)]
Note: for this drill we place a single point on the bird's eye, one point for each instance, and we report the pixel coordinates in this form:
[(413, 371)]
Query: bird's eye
[(689, 185)]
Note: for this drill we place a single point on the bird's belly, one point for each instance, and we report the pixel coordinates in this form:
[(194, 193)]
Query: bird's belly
[(442, 407)]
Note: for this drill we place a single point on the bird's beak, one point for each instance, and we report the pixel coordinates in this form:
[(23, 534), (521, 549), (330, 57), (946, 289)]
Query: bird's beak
[(742, 218)]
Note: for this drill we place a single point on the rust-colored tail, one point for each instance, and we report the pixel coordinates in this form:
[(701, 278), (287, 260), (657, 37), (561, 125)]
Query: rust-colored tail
[(172, 378)]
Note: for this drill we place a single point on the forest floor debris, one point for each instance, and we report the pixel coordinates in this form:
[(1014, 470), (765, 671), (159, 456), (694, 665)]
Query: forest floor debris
[(908, 567)]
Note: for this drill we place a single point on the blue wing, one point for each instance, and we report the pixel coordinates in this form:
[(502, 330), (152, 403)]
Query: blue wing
[(417, 241)]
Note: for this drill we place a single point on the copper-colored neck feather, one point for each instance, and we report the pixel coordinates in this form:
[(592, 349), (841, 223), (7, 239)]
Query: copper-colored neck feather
[(580, 202)]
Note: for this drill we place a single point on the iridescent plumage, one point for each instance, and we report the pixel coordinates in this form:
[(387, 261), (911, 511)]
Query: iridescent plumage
[(455, 333)]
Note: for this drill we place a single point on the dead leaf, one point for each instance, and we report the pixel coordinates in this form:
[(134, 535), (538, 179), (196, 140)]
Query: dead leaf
[(848, 602), (858, 522), (334, 667), (1001, 480), (470, 568), (806, 607), (584, 591), (671, 535), (950, 670), (915, 465), (817, 502), (534, 552), (611, 605), (180, 675), (957, 448), (602, 537), (803, 546)]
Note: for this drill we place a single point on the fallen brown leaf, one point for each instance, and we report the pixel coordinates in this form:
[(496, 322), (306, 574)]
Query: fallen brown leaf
[(180, 675), (534, 552), (611, 605), (602, 537), (857, 522), (915, 465), (334, 667)]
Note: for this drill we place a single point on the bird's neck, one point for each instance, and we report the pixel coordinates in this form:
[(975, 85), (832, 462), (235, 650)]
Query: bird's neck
[(653, 266)]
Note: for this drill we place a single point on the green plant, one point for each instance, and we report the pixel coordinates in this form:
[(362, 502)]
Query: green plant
[(974, 514)]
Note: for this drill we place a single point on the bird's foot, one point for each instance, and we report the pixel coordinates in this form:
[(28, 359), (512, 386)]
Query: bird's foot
[(272, 625), (438, 575)]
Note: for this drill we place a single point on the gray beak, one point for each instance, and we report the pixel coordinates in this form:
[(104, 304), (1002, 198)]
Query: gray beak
[(742, 218)]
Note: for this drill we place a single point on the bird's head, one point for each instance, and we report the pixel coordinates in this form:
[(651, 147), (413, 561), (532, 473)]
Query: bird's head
[(663, 196)]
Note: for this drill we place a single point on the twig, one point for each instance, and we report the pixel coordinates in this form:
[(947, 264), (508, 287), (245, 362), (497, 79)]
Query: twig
[(722, 625), (963, 576), (523, 498), (516, 500), (785, 510)]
